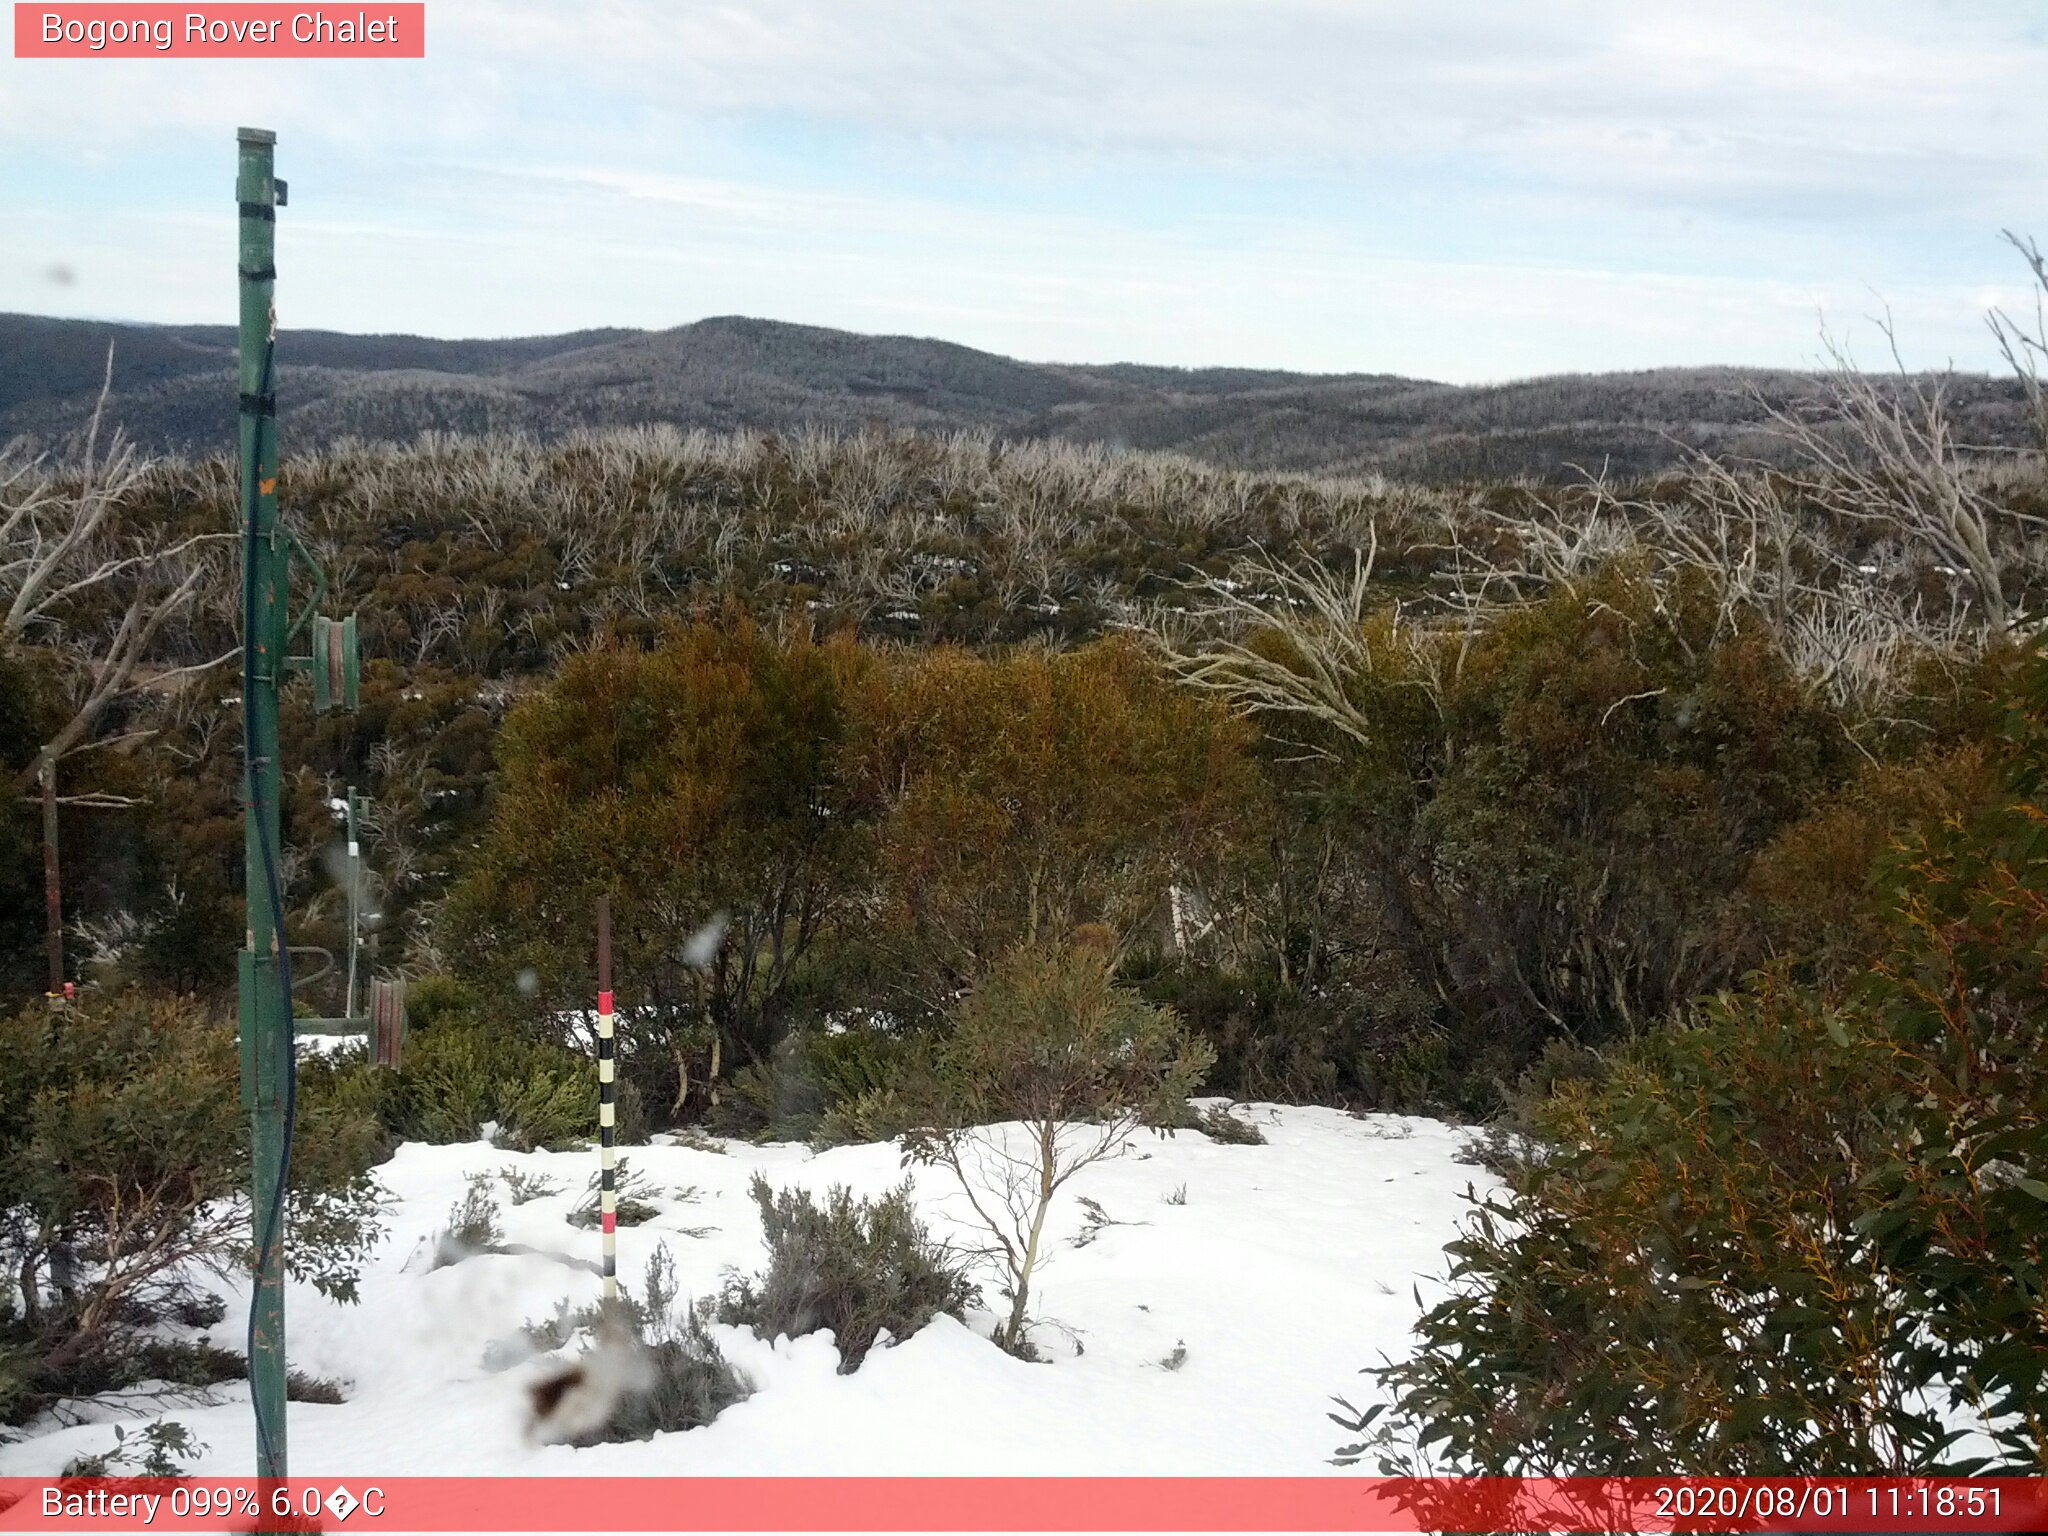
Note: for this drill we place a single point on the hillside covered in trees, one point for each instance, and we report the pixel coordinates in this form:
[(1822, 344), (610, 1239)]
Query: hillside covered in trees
[(174, 391)]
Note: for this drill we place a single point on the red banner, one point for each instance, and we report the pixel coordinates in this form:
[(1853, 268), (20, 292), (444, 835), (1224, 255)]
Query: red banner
[(103, 31), (1010, 1504)]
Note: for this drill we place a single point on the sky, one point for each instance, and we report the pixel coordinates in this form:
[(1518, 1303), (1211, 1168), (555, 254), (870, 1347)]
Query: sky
[(1461, 191)]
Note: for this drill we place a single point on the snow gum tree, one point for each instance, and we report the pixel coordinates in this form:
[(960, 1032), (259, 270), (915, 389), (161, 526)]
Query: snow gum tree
[(1049, 1068), (1025, 794), (1802, 1230), (699, 783)]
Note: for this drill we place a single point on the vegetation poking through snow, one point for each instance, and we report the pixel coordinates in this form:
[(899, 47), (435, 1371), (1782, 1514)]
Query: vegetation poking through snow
[(1216, 1122), (525, 1187), (865, 1269), (1050, 1040), (633, 1197), (472, 1226), (303, 1387), (653, 1368)]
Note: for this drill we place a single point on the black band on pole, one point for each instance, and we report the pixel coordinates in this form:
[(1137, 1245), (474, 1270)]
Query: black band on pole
[(258, 211), (259, 405), (258, 274)]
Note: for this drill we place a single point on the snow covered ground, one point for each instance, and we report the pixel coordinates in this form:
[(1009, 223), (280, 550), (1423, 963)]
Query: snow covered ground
[(1288, 1268)]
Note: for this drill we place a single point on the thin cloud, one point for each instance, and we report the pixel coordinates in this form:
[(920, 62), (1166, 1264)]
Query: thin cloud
[(1461, 191)]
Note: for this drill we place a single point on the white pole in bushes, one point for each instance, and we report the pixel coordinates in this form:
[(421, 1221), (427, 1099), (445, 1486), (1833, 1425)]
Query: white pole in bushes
[(607, 1103)]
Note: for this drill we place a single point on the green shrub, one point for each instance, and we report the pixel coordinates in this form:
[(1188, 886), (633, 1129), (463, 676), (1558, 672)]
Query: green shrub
[(161, 1450), (630, 1190), (124, 1154), (472, 1225), (462, 1075), (859, 1268), (880, 1115), (1050, 1039), (302, 1388), (1366, 1038), (463, 1070), (188, 1363), (655, 1364), (1270, 1044), (433, 998), (809, 1089), (1417, 1074), (1803, 1235), (1218, 1124)]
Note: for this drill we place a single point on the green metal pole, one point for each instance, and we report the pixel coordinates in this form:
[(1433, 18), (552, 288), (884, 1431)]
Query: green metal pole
[(266, 1025)]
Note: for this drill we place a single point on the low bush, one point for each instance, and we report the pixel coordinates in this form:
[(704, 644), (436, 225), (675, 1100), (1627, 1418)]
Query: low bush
[(654, 1369), (813, 1086), (860, 1268), (462, 1074), (1219, 1124), (1364, 1038), (691, 1383), (1802, 1232), (630, 1190), (124, 1155), (187, 1363), (299, 1387), (472, 1225)]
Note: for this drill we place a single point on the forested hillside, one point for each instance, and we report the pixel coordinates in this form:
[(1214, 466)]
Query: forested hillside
[(174, 390)]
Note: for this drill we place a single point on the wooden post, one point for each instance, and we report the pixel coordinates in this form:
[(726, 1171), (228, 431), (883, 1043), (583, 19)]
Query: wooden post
[(607, 1103), (387, 1021)]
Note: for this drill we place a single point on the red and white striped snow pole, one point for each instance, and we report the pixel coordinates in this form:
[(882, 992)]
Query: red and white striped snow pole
[(607, 1103)]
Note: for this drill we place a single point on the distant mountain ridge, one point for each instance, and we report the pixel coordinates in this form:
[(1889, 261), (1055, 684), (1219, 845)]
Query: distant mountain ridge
[(174, 390)]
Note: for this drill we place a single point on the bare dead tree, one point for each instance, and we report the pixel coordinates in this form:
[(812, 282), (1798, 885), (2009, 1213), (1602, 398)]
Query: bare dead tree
[(61, 548), (59, 545), (1313, 640), (1843, 626), (1892, 460), (436, 625), (2026, 348)]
